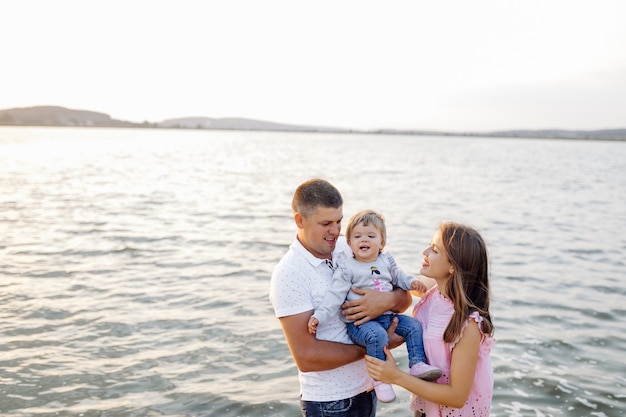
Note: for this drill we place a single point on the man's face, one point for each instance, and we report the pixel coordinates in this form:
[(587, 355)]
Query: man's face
[(320, 231)]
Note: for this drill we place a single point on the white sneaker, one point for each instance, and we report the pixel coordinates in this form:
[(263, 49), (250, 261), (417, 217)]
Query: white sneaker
[(384, 392), (424, 371)]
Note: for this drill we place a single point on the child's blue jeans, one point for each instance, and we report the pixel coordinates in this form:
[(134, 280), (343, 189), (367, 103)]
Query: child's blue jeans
[(373, 335)]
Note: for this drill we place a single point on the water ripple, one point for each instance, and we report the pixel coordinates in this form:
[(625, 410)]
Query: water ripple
[(134, 279)]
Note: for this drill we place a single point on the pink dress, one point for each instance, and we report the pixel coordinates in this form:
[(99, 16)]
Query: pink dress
[(434, 311)]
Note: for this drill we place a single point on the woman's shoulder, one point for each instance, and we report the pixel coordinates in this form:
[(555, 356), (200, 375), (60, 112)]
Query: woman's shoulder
[(472, 329)]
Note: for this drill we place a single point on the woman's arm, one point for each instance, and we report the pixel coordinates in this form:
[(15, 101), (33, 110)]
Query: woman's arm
[(462, 370), (311, 354)]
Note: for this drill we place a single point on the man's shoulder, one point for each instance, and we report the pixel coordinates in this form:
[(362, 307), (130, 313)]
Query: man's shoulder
[(292, 259), (296, 262)]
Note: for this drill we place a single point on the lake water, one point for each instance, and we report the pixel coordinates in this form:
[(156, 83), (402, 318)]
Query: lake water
[(135, 263)]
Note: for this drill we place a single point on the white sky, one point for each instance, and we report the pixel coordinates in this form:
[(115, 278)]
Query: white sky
[(442, 65)]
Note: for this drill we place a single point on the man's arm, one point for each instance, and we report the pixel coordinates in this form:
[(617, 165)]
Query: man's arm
[(375, 303), (311, 354)]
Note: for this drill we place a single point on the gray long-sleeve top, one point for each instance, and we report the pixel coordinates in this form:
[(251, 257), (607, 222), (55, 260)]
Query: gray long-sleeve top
[(382, 275)]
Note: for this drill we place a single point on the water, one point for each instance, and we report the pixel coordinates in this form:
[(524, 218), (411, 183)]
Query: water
[(134, 266)]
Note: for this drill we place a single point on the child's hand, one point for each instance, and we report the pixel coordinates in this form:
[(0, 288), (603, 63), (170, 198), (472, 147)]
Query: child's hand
[(418, 286), (313, 322)]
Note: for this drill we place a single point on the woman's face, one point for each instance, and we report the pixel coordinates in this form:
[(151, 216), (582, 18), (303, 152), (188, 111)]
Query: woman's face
[(436, 264)]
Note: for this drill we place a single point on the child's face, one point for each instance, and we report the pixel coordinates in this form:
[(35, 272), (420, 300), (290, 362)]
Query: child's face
[(366, 242)]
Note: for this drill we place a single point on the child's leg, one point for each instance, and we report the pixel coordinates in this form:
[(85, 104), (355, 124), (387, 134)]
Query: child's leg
[(411, 329), (372, 335)]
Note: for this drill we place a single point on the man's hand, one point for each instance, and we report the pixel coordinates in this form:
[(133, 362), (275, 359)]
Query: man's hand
[(395, 339), (373, 304)]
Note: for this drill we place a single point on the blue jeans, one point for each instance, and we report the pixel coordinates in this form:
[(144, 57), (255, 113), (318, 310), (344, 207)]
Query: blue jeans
[(373, 335), (362, 405)]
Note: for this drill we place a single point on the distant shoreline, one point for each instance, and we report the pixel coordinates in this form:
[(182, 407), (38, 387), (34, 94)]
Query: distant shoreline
[(347, 131), (55, 116)]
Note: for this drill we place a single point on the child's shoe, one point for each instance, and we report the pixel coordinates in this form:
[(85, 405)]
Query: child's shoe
[(424, 371), (384, 392)]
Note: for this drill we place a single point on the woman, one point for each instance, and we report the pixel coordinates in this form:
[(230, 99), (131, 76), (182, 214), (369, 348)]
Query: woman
[(457, 329)]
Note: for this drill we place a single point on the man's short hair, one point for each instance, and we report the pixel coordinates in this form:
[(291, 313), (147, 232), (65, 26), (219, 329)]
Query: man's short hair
[(315, 193)]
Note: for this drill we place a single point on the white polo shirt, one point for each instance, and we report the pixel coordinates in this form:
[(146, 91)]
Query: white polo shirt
[(299, 283)]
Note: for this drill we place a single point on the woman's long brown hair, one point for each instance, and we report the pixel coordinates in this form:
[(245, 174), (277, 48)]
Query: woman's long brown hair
[(468, 287)]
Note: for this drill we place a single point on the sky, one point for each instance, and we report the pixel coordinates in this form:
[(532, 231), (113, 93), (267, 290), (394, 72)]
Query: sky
[(424, 65)]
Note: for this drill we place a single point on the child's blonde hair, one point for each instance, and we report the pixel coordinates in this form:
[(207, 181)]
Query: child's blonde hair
[(366, 217)]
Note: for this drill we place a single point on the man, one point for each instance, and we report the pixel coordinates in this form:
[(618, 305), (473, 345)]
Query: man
[(332, 372)]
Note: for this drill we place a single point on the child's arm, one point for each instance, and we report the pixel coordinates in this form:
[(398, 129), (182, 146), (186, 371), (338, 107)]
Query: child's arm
[(334, 297), (462, 369), (418, 287), (401, 279)]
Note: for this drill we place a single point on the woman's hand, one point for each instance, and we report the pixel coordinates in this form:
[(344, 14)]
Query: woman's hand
[(384, 371)]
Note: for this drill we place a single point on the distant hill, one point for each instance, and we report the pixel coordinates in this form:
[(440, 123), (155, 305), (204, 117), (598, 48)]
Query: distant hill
[(58, 116), (239, 124), (61, 116)]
